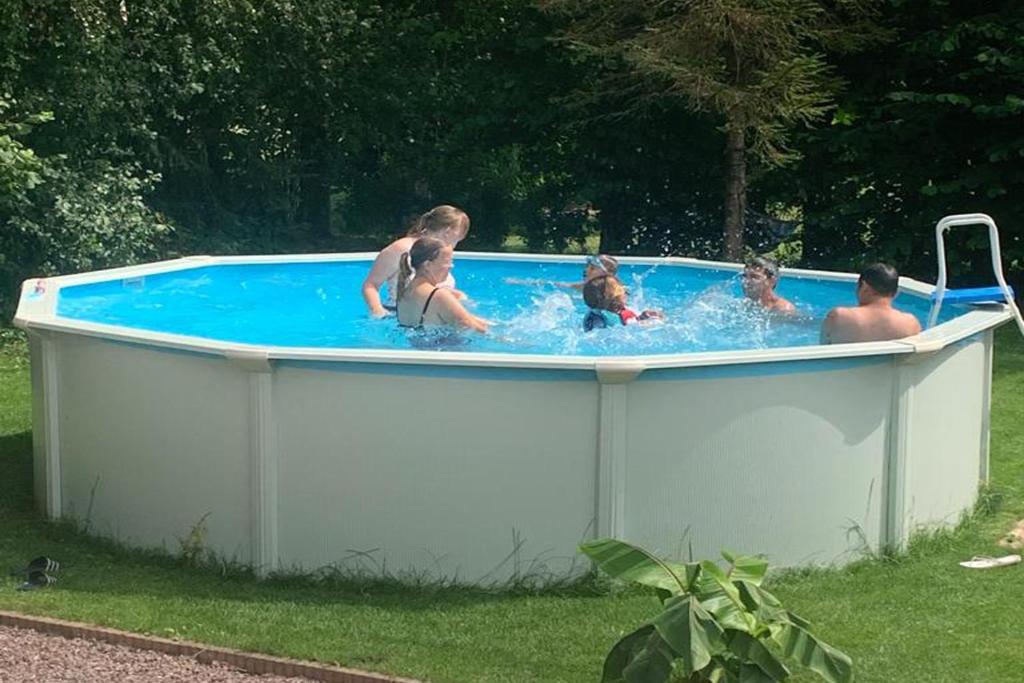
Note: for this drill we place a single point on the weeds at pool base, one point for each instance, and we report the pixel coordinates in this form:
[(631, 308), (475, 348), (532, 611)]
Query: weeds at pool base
[(193, 546)]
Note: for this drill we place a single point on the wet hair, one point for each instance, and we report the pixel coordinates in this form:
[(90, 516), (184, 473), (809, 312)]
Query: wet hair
[(882, 278), (609, 264), (423, 250), (597, 293), (766, 265), (439, 219)]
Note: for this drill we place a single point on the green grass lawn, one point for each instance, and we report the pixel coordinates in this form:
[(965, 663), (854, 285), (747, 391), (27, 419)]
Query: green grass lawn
[(915, 618)]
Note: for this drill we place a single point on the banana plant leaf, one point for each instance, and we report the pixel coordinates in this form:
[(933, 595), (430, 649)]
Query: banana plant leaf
[(623, 652), (628, 562), (652, 664), (818, 656), (746, 567), (690, 631), (754, 652)]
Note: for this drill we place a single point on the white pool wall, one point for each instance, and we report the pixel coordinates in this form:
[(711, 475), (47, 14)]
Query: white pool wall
[(490, 467)]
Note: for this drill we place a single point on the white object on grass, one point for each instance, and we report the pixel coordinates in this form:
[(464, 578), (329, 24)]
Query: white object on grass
[(978, 562)]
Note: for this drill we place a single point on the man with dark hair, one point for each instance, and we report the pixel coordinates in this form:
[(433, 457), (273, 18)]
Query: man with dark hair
[(760, 276), (873, 318)]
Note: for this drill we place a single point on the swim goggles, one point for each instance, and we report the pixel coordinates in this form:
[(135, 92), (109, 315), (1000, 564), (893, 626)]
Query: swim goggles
[(594, 260)]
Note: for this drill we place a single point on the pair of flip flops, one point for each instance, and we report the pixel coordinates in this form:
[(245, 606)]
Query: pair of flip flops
[(35, 573)]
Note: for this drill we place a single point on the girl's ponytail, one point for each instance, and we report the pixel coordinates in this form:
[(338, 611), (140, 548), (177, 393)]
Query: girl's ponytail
[(423, 250), (419, 227), (404, 276)]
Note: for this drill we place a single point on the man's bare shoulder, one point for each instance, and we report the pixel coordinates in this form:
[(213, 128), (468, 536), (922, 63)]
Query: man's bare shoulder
[(909, 323), (840, 313), (784, 306)]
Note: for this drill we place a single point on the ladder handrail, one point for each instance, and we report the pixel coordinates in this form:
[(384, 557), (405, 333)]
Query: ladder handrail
[(997, 261)]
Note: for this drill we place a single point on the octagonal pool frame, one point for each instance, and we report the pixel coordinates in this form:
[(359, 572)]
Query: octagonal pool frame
[(303, 458)]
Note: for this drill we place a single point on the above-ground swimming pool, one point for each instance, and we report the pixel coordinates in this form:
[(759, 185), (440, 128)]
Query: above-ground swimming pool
[(253, 400)]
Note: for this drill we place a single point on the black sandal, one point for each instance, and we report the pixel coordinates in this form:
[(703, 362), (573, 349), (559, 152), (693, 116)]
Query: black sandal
[(39, 564), (37, 579)]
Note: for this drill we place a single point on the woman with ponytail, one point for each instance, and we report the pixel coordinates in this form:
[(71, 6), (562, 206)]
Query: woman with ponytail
[(445, 223), (423, 301)]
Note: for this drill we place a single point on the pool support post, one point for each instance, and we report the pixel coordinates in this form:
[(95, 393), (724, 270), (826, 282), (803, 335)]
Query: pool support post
[(613, 445), (894, 511), (988, 338), (262, 457), (47, 429)]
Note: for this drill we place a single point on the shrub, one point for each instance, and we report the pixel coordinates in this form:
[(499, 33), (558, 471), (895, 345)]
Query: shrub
[(716, 625)]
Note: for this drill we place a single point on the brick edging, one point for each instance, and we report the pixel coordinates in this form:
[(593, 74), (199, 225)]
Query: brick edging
[(207, 654)]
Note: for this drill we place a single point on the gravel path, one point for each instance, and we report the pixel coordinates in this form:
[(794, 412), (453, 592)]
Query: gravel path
[(28, 656)]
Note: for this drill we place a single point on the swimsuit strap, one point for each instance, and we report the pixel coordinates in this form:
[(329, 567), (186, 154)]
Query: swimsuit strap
[(427, 305)]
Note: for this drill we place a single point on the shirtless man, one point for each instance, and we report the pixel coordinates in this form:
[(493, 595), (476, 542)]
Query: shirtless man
[(873, 318), (760, 276)]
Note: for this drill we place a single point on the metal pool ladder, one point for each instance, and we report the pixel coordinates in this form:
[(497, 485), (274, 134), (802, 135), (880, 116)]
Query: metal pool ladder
[(978, 294)]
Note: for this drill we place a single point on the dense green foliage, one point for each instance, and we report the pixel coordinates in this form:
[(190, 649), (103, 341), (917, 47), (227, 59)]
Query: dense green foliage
[(757, 67), (135, 130), (931, 124)]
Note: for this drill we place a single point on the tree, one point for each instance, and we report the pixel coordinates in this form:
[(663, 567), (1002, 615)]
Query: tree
[(757, 65), (60, 216), (936, 130)]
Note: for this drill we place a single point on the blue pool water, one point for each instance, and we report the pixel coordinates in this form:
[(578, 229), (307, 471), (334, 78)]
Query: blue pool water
[(319, 305)]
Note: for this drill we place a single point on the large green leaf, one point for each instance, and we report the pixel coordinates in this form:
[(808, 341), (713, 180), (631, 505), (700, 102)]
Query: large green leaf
[(623, 652), (753, 651), (721, 597), (829, 663), (764, 605), (746, 567), (754, 674), (652, 664), (628, 562), (798, 620), (726, 611), (689, 630)]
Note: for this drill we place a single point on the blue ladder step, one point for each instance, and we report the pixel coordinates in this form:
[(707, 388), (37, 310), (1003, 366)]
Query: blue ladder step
[(975, 295)]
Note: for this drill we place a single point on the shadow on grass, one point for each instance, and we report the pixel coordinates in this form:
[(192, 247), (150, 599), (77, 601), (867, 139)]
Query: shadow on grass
[(16, 469)]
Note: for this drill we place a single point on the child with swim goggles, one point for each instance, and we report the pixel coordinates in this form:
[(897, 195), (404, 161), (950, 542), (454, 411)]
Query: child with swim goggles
[(604, 294), (596, 265)]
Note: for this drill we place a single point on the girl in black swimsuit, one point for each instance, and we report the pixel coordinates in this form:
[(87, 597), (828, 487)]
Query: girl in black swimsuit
[(423, 313), (420, 273)]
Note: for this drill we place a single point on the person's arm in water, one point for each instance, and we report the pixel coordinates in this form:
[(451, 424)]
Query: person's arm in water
[(452, 312), (532, 282), (651, 314), (631, 317), (384, 266)]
